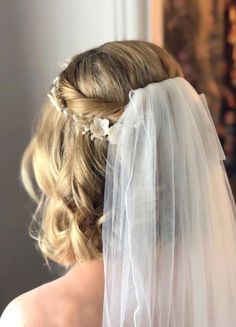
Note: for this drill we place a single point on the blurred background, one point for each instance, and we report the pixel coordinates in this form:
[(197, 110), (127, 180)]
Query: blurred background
[(37, 37)]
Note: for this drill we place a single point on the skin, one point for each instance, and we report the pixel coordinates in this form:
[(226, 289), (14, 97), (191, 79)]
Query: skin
[(73, 300)]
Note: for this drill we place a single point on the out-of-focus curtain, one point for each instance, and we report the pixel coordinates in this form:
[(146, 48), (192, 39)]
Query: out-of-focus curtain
[(201, 34), (228, 113), (194, 32)]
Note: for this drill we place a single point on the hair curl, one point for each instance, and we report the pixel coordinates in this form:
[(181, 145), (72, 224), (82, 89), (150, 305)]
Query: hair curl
[(62, 169)]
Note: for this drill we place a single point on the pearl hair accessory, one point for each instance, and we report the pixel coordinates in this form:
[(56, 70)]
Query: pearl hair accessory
[(98, 129)]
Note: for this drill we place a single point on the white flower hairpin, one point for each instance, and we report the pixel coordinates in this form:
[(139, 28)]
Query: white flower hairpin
[(99, 128)]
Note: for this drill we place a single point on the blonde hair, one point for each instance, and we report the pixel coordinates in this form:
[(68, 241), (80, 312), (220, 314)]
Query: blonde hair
[(62, 169)]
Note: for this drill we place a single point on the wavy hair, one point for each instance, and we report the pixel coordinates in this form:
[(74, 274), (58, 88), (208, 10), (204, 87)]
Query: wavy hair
[(64, 170)]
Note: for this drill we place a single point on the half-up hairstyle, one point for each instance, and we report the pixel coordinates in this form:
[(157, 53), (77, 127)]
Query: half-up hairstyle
[(62, 169)]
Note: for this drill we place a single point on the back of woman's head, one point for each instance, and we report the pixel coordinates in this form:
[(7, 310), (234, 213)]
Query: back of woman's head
[(68, 167)]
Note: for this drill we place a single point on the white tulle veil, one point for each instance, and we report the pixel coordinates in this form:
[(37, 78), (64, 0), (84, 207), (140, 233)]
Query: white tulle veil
[(169, 235)]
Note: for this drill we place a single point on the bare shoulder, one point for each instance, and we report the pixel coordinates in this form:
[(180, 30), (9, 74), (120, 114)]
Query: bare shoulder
[(74, 299), (32, 308), (12, 315), (17, 312)]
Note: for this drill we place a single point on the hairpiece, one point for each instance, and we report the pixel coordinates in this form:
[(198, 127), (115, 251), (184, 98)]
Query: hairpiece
[(99, 128), (65, 64)]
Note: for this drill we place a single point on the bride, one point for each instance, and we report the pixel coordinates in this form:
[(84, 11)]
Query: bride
[(132, 198)]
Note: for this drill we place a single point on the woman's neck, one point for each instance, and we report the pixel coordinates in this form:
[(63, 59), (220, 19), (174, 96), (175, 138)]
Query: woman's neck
[(86, 280)]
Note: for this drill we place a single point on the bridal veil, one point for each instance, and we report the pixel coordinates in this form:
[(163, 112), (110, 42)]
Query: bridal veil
[(169, 235)]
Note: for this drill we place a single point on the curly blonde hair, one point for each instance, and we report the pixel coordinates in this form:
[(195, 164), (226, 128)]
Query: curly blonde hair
[(64, 170)]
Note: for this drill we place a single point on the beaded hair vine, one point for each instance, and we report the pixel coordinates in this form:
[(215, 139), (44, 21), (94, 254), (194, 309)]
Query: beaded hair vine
[(98, 129)]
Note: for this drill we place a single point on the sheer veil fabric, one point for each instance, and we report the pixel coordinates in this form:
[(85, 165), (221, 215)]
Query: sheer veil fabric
[(169, 235)]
